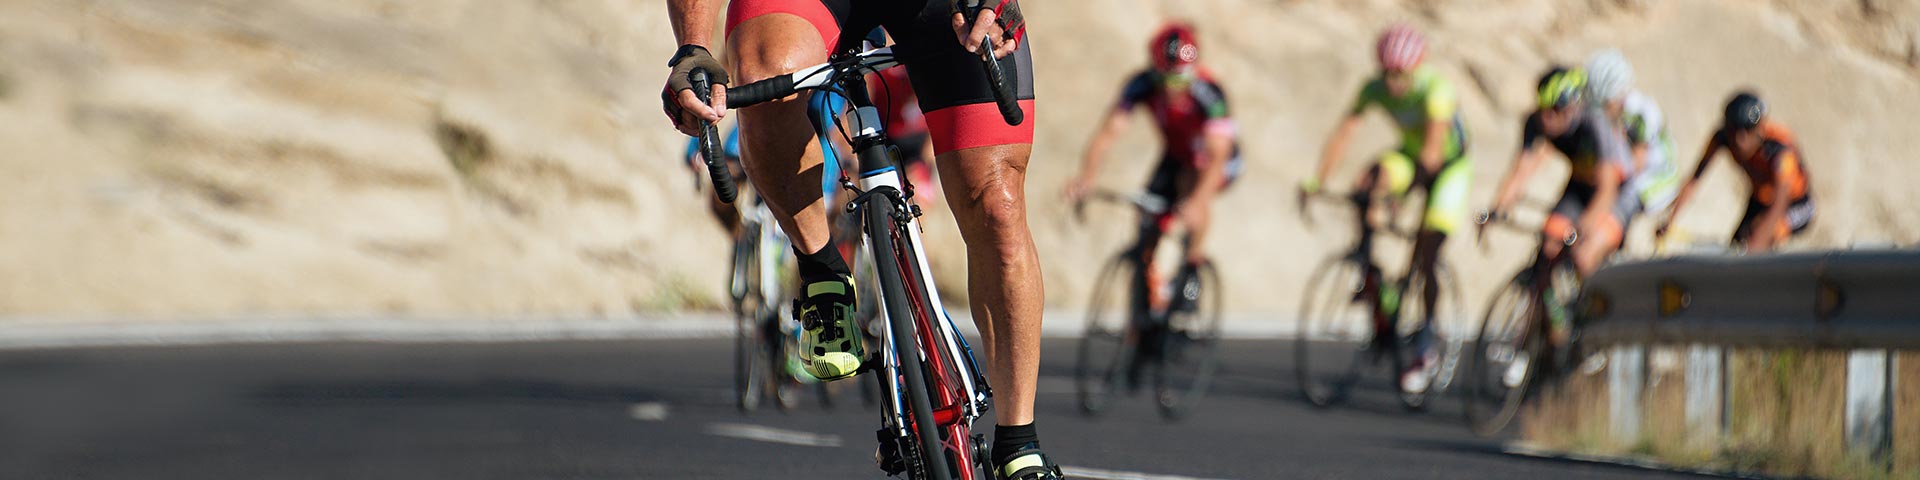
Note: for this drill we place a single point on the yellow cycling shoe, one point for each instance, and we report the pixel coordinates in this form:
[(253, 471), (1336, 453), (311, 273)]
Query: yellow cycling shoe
[(830, 344)]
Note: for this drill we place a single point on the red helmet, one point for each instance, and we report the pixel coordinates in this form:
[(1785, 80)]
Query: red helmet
[(1175, 46), (1401, 47)]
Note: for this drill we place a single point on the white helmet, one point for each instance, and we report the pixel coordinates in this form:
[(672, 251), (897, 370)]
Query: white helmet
[(1609, 77)]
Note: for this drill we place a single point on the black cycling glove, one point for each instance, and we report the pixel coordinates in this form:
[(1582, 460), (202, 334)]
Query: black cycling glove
[(684, 62)]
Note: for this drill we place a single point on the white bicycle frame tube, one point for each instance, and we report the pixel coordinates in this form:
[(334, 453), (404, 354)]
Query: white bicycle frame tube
[(866, 121)]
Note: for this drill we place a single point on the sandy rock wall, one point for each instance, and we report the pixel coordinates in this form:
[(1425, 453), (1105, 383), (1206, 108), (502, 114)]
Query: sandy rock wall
[(195, 157)]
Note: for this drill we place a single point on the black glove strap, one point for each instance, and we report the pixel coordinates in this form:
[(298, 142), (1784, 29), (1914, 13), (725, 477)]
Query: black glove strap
[(687, 51)]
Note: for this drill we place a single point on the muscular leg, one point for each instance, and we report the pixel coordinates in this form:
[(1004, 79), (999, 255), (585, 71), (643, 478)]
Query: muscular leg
[(986, 189), (1598, 239), (785, 161), (1199, 225), (1425, 262)]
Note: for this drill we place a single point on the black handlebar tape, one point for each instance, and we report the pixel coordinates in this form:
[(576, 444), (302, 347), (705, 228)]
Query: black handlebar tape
[(760, 92), (710, 148), (1003, 93)]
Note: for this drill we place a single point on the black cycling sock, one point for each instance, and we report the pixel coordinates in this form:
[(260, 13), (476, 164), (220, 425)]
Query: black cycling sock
[(825, 265), (1011, 439)]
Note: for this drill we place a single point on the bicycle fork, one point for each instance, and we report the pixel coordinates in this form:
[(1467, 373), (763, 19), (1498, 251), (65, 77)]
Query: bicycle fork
[(938, 344)]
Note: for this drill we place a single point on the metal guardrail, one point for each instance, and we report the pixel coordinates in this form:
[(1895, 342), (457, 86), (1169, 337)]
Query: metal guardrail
[(1841, 300), (1864, 301)]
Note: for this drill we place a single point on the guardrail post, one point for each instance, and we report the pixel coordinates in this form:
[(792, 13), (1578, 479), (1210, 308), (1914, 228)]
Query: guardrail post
[(1869, 427), (1626, 377), (1704, 402)]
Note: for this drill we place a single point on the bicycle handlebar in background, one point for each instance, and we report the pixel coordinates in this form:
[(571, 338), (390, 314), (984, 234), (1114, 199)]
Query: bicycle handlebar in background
[(710, 149)]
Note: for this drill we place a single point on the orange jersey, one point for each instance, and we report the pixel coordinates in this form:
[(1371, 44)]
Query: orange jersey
[(1775, 165)]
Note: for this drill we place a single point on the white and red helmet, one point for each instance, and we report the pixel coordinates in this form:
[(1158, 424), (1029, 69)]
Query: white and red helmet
[(1174, 47), (1401, 47)]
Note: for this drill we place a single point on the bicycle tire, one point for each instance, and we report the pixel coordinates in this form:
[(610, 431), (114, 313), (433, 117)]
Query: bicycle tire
[(883, 237), (1333, 321), (749, 356), (1507, 328), (1108, 339), (1192, 338)]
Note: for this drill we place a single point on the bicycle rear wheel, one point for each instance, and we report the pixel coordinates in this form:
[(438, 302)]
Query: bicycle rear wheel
[(1191, 342), (1107, 344), (1505, 357), (895, 268), (1336, 331)]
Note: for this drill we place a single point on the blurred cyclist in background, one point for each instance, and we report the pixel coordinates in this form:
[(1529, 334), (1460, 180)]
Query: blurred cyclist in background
[(1782, 201), (1595, 202), (1200, 152), (1656, 180), (1431, 156)]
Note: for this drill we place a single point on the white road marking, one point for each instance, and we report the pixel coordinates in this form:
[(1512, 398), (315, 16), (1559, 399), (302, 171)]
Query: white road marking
[(648, 412), (772, 435), (1098, 474)]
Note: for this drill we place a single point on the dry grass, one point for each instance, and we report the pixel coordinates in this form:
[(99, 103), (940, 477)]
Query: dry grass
[(1571, 416), (1785, 411), (1906, 415)]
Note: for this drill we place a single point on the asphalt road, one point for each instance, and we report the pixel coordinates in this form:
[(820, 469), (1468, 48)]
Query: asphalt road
[(658, 409)]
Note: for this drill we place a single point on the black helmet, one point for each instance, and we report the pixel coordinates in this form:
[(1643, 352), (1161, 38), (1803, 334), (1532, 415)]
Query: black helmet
[(1744, 111)]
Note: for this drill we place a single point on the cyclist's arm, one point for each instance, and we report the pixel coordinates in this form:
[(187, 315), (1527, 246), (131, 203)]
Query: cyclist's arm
[(693, 21), (1686, 188), (1523, 167), (1111, 128), (1336, 147), (1440, 106), (1432, 152)]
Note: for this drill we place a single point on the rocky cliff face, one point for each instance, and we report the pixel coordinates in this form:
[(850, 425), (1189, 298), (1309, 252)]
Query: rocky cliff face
[(191, 157)]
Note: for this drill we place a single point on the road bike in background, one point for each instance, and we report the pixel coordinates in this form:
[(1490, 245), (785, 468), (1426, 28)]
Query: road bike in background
[(932, 388), (1352, 318), (1512, 352), (1150, 317)]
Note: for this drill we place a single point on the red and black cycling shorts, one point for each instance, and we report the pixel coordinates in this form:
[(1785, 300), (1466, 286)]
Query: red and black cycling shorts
[(951, 86)]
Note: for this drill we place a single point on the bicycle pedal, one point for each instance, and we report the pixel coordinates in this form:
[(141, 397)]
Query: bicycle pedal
[(887, 456)]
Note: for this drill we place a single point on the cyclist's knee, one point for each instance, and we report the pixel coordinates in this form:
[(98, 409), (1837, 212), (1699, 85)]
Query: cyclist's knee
[(773, 44), (1554, 234)]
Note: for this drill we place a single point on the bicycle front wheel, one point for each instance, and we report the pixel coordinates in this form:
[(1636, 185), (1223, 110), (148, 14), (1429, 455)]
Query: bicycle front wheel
[(750, 358), (1107, 343), (1504, 358), (895, 265), (1335, 331), (1191, 341)]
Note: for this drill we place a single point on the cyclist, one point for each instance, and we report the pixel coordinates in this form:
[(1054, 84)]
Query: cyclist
[(1595, 202), (983, 162), (1634, 114), (1431, 156), (1782, 201), (1200, 155)]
